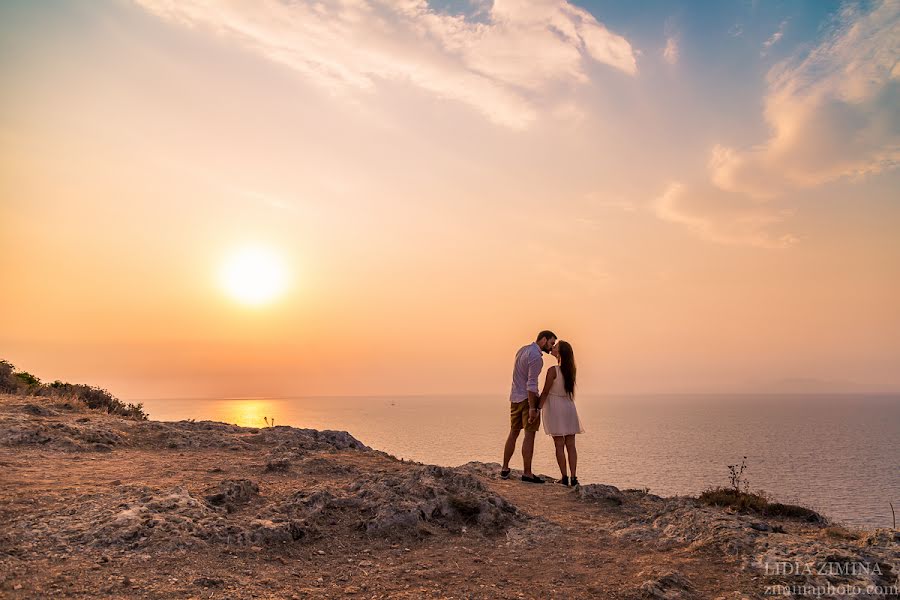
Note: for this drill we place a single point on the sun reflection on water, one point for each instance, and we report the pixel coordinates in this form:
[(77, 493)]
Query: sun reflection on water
[(246, 412)]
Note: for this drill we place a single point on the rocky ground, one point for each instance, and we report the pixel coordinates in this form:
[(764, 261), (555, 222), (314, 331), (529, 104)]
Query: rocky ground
[(93, 505)]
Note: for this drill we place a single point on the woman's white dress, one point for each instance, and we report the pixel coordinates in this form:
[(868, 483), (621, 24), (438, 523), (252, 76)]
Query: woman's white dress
[(560, 417)]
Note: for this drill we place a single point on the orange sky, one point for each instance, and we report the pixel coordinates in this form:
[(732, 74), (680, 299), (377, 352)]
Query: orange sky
[(435, 205)]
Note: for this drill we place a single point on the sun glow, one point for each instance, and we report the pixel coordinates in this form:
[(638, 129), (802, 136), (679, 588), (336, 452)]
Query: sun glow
[(253, 275)]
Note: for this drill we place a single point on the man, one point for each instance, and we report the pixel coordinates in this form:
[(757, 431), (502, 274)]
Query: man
[(523, 397)]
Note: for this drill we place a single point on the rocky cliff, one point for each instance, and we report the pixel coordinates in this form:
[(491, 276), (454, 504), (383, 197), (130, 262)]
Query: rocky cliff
[(98, 505)]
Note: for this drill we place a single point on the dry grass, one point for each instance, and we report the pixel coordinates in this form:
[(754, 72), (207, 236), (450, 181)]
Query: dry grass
[(758, 503), (840, 533)]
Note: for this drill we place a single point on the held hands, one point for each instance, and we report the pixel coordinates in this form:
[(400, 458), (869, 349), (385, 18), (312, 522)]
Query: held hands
[(533, 415)]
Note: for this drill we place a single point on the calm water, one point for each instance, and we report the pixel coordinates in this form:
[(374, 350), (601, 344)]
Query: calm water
[(837, 454)]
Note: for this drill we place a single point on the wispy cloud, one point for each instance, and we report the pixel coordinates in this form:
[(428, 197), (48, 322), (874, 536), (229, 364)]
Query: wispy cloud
[(500, 60), (587, 276), (833, 112), (775, 37), (268, 200), (616, 203), (714, 218), (706, 212), (670, 52)]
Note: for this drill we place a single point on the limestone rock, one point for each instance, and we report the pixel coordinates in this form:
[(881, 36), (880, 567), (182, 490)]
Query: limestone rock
[(232, 492), (596, 492), (669, 585)]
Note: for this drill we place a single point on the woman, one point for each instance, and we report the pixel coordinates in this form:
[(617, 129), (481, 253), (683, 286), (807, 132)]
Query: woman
[(560, 417)]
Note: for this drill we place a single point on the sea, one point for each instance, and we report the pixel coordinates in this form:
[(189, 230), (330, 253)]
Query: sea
[(837, 454)]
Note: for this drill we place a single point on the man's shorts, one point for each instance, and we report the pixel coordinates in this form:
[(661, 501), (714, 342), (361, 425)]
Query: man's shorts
[(518, 417)]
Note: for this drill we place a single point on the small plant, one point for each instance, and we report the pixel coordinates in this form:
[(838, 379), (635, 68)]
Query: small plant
[(739, 483), (270, 421)]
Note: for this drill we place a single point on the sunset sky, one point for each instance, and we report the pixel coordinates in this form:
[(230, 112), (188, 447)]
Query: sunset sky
[(699, 196)]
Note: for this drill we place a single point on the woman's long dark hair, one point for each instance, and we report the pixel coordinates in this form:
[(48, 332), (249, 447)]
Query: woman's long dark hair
[(567, 366)]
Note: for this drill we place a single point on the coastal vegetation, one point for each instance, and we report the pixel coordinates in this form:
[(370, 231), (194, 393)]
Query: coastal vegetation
[(93, 397), (739, 497)]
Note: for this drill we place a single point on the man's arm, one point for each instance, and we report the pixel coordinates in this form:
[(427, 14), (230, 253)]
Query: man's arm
[(534, 372), (548, 382)]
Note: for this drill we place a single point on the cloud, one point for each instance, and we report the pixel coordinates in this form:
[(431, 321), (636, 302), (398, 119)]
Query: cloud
[(833, 113), (499, 59), (617, 203), (569, 112), (705, 212), (268, 200), (717, 217), (583, 274), (670, 52), (775, 37)]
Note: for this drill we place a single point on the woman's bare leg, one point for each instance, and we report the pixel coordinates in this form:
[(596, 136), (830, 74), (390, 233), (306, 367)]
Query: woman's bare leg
[(560, 443), (573, 453)]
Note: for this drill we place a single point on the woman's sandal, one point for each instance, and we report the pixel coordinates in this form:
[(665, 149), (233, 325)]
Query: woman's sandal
[(504, 473)]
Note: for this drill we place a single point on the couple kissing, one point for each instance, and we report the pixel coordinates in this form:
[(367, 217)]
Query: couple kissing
[(554, 406)]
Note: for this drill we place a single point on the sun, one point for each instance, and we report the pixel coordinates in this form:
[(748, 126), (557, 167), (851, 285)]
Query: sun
[(253, 275)]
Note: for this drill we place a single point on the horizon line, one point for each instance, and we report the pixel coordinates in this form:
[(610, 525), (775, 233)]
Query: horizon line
[(482, 394)]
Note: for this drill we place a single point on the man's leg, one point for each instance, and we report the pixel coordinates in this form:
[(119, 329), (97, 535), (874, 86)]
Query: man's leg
[(528, 451), (510, 447)]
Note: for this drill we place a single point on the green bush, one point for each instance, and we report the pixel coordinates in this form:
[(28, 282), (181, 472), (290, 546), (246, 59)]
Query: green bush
[(28, 379), (9, 383), (96, 398)]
